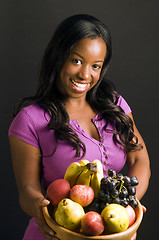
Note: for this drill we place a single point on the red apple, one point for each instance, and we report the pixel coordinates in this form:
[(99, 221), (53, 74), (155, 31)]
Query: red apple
[(132, 215), (92, 223), (58, 190), (82, 194)]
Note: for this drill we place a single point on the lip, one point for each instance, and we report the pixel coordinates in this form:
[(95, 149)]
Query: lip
[(79, 87)]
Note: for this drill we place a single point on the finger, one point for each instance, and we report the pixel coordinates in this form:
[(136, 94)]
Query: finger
[(43, 202), (43, 225), (44, 228), (47, 232), (49, 236), (144, 209), (39, 204)]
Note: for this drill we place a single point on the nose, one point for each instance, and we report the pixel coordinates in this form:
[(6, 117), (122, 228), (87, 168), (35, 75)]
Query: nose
[(84, 73)]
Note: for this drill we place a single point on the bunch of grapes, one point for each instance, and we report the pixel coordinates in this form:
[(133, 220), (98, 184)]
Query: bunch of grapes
[(116, 188)]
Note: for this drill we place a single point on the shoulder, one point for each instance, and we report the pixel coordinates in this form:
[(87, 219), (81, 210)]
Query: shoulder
[(33, 109), (34, 113), (123, 104), (28, 123)]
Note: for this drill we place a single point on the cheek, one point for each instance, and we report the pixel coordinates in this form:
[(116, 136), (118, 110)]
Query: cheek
[(68, 69), (96, 77), (64, 75)]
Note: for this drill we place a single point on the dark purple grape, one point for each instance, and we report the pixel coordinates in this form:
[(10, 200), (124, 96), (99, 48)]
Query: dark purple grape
[(118, 184), (127, 181), (114, 193), (131, 197), (128, 200), (103, 205), (116, 200), (101, 195), (133, 202), (123, 193), (134, 181), (104, 182), (131, 190), (107, 198), (93, 206), (124, 202), (104, 196), (111, 172), (111, 185), (108, 185), (119, 176)]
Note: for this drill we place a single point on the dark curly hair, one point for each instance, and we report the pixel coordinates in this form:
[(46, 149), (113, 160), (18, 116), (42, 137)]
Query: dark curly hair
[(102, 97)]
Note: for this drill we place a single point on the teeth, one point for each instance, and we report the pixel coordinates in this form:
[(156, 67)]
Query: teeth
[(79, 85)]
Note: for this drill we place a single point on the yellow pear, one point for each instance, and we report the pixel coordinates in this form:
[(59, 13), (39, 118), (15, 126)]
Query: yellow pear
[(116, 218), (69, 214)]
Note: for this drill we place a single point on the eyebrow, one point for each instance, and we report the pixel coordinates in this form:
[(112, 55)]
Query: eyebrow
[(82, 57)]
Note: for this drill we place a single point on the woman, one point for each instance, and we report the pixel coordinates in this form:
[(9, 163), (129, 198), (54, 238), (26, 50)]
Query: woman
[(76, 113)]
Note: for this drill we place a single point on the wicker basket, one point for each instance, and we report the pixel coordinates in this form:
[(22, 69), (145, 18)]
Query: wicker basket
[(65, 234)]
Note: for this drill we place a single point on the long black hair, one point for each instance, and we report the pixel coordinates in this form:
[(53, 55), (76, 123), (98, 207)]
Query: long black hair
[(102, 97)]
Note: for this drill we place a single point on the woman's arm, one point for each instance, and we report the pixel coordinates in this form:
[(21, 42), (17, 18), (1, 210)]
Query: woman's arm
[(139, 164), (27, 168)]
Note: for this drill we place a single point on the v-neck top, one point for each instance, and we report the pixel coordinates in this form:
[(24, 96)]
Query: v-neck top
[(30, 125)]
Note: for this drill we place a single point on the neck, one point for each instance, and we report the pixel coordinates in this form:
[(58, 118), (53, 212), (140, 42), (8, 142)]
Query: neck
[(75, 103)]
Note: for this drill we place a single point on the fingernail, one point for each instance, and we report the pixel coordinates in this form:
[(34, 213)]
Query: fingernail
[(52, 233), (45, 201)]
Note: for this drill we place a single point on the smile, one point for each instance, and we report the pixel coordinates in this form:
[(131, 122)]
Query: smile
[(80, 86)]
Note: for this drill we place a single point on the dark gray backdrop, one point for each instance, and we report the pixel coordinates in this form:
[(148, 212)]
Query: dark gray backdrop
[(26, 28)]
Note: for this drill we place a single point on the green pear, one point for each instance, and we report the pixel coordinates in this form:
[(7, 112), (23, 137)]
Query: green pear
[(69, 214), (116, 218)]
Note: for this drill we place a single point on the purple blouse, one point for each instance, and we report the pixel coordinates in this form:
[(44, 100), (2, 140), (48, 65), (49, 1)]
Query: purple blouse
[(30, 125)]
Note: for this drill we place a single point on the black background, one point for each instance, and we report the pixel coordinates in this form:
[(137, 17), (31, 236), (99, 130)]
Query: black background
[(26, 27)]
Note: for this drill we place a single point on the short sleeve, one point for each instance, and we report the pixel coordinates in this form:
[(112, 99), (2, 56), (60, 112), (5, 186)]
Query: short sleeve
[(23, 127), (123, 104)]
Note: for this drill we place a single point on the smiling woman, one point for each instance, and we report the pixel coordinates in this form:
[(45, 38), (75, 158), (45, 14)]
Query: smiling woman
[(82, 69), (75, 114)]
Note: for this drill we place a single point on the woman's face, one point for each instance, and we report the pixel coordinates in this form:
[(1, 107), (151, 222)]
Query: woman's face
[(82, 69)]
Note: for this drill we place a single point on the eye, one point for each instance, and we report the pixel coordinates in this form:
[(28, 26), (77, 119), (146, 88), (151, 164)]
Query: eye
[(76, 61), (96, 66)]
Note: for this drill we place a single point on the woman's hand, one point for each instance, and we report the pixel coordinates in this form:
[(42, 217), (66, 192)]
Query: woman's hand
[(27, 168), (47, 232), (144, 209)]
